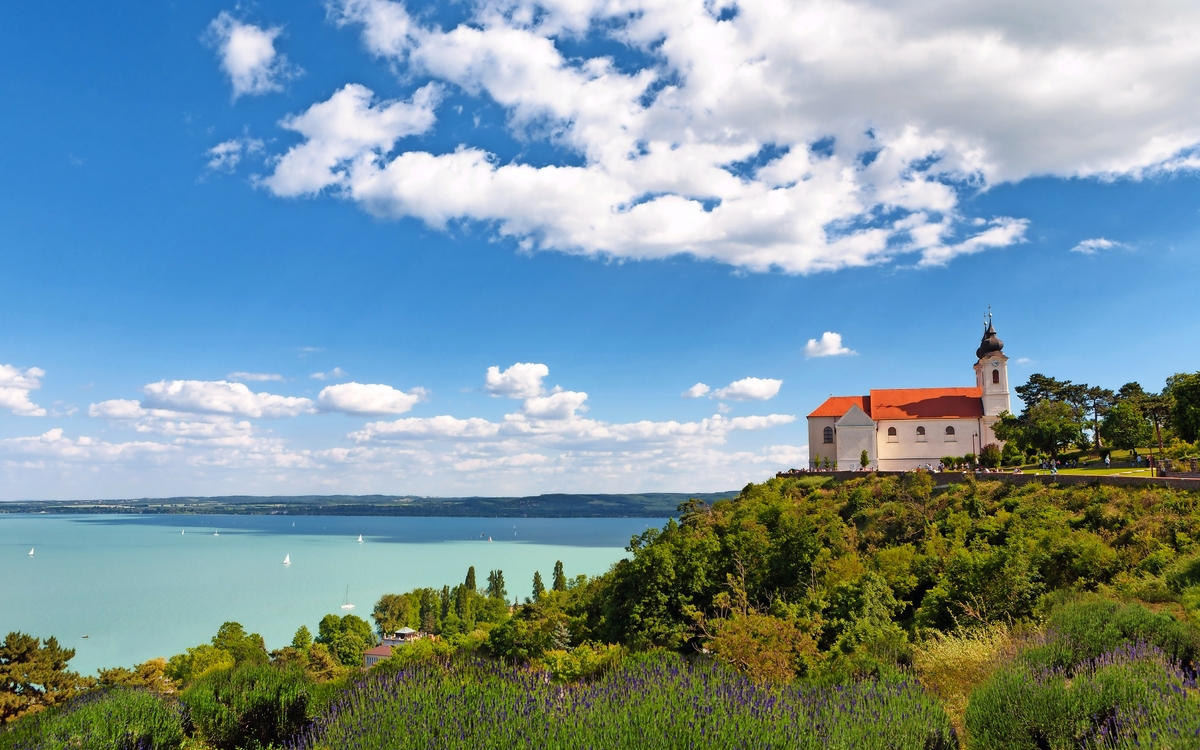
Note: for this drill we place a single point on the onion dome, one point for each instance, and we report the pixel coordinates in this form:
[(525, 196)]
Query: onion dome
[(991, 343)]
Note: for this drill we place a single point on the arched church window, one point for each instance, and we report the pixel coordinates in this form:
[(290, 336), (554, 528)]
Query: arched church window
[(920, 434), (828, 434), (892, 436), (950, 436), (996, 377)]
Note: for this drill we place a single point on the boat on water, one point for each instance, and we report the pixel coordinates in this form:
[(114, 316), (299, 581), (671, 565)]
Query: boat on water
[(216, 533), (31, 551), (489, 539), (287, 559), (85, 636), (360, 539), (346, 600)]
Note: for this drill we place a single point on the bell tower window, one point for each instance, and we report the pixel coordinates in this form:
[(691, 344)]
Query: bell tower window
[(995, 377)]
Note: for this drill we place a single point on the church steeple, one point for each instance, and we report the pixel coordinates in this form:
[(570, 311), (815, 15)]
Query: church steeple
[(991, 371), (991, 343)]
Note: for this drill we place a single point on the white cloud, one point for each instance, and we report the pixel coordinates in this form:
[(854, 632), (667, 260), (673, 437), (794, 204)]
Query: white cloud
[(368, 399), (696, 391), (15, 385), (336, 373), (749, 389), (225, 156), (558, 405), (255, 377), (248, 56), (52, 444), (1090, 247), (830, 345), (802, 135), (522, 380), (343, 131), (221, 397), (427, 428)]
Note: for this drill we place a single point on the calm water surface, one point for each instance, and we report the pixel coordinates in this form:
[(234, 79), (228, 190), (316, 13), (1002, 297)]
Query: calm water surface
[(139, 588)]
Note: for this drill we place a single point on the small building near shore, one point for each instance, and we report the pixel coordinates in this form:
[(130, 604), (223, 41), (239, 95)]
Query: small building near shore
[(373, 656), (400, 637), (906, 428)]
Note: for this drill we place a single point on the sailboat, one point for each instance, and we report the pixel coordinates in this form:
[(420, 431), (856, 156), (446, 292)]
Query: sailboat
[(31, 551), (182, 531), (360, 538), (216, 533), (287, 559), (346, 600)]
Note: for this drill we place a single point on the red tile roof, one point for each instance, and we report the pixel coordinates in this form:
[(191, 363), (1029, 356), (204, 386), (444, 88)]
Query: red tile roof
[(380, 650), (926, 403), (836, 406)]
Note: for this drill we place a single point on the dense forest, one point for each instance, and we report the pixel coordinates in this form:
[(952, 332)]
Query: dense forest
[(878, 612)]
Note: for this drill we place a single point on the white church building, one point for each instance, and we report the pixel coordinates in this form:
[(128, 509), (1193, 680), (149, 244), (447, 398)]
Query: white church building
[(904, 428)]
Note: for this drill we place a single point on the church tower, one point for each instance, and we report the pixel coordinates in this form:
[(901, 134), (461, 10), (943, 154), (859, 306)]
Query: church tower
[(991, 372)]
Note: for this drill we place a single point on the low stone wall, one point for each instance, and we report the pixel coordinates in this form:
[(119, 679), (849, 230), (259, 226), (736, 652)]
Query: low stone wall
[(952, 477)]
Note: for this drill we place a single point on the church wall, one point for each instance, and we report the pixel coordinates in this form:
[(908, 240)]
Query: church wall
[(817, 448), (851, 442), (908, 453)]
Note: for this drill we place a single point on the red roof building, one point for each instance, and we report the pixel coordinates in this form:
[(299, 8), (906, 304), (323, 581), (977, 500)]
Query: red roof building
[(907, 428)]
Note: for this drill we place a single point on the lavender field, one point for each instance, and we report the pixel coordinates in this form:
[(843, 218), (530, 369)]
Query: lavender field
[(657, 701)]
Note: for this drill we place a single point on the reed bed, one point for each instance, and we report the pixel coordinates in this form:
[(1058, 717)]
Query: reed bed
[(649, 704)]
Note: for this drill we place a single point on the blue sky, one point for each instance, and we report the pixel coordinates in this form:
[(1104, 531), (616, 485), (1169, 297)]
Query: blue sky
[(626, 199)]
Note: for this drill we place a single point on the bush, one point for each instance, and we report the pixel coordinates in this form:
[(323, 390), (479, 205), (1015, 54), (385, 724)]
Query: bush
[(250, 706), (1081, 631), (120, 719), (1109, 701), (990, 456)]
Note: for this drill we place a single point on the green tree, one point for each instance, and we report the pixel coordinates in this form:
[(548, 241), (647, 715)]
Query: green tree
[(470, 582), (392, 612), (1126, 427), (1184, 391), (34, 675), (560, 578), (864, 460), (245, 648), (1047, 426), (1041, 388), (302, 640), (1098, 401), (346, 637), (495, 587), (538, 587)]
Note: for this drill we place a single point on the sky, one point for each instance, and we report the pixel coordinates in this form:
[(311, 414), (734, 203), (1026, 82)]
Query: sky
[(511, 247)]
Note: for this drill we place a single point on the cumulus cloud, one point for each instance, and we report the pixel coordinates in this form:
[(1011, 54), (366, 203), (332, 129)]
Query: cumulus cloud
[(248, 56), (1091, 247), (749, 389), (696, 391), (55, 445), (829, 345), (221, 397), (340, 133), (225, 156), (522, 380), (802, 136), (15, 386), (371, 399)]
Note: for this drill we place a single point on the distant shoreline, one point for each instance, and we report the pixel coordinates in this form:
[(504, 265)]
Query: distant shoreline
[(559, 505)]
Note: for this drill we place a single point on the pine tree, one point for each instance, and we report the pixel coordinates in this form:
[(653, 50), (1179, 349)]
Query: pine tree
[(470, 584), (538, 587), (560, 578)]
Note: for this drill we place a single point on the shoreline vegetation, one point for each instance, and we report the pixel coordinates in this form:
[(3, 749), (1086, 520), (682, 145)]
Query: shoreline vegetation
[(558, 505), (874, 612)]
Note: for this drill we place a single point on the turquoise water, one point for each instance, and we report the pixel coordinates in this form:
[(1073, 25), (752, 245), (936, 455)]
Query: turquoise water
[(138, 588)]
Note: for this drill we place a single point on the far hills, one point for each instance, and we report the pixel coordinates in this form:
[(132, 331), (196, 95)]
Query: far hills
[(558, 505)]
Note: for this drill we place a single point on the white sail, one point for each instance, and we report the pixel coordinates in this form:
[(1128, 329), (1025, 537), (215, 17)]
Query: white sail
[(360, 539), (346, 600), (31, 551), (287, 559)]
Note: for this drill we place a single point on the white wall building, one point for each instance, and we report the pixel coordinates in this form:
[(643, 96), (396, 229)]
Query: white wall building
[(905, 428)]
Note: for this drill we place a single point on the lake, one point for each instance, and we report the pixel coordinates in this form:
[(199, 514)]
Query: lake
[(141, 586)]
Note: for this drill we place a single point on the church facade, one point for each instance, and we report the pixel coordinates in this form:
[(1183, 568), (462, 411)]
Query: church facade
[(905, 428)]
